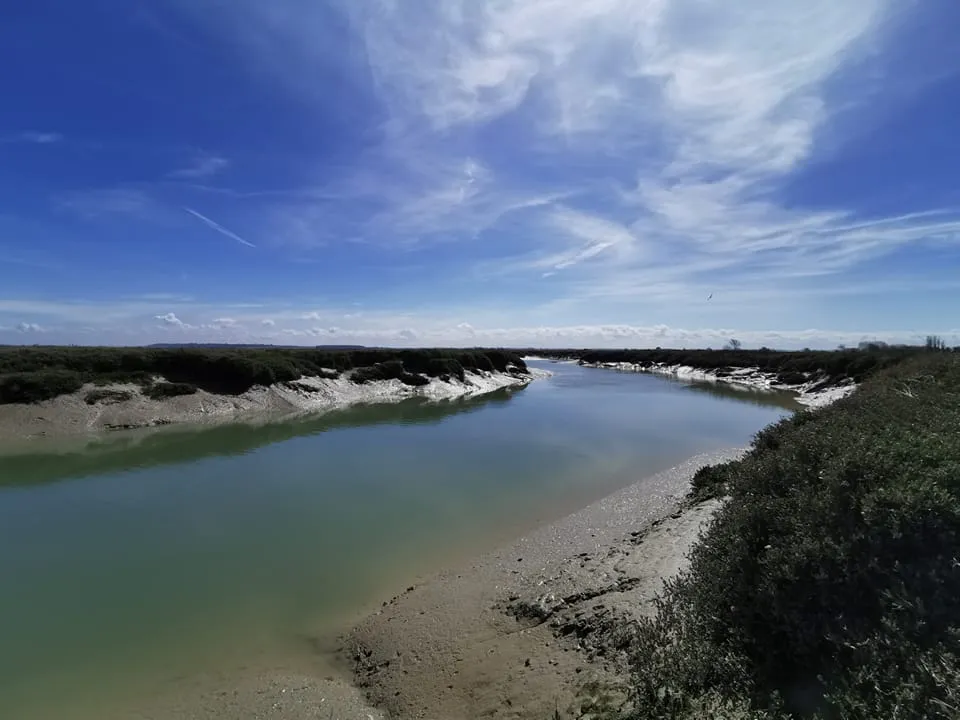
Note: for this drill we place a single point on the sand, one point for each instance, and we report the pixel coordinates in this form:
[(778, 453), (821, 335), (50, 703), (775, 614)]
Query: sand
[(531, 628), (812, 394), (71, 415)]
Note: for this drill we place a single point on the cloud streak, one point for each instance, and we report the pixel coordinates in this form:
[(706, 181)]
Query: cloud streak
[(34, 137), (202, 167), (213, 225)]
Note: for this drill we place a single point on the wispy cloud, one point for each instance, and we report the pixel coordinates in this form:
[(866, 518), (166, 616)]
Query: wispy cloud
[(202, 166), (656, 135), (218, 227), (35, 137), (283, 323), (95, 203)]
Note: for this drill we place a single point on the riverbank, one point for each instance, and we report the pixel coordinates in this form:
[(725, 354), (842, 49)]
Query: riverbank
[(531, 629), (123, 406), (813, 393), (854, 500)]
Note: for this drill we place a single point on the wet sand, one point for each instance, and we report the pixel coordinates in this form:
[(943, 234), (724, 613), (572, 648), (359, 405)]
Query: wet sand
[(532, 628)]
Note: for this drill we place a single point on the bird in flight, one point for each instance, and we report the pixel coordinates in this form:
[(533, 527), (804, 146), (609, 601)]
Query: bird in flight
[(710, 296)]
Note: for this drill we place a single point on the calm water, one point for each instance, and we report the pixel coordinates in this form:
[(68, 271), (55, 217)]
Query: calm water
[(132, 561)]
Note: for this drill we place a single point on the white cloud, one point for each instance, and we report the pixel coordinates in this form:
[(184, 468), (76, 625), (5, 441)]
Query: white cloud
[(171, 320), (202, 166), (41, 138), (218, 227), (34, 136), (26, 327), (268, 322)]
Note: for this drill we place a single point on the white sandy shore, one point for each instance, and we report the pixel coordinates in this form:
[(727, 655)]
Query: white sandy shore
[(813, 394), (72, 415)]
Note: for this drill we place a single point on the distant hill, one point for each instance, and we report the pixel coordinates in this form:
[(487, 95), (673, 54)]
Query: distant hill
[(227, 346)]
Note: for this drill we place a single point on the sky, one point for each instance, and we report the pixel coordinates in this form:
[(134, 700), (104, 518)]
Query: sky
[(555, 173)]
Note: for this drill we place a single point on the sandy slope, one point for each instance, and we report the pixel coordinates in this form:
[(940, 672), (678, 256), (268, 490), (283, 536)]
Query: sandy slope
[(811, 394), (526, 630), (71, 415)]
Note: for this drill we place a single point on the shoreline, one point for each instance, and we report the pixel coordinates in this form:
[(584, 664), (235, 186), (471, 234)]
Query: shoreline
[(72, 415), (812, 394), (531, 628)]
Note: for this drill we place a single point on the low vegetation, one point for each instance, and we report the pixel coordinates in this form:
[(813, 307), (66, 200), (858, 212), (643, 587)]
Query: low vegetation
[(161, 390), (828, 585), (791, 367), (33, 374), (106, 395)]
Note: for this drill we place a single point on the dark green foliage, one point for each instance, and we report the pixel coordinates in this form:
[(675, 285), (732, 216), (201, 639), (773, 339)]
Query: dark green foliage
[(107, 395), (793, 368), (390, 370), (161, 390), (29, 387), (30, 374), (791, 377), (828, 585), (710, 481)]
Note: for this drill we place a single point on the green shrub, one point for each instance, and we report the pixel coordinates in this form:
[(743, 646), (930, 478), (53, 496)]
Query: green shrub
[(828, 582), (710, 481), (414, 380), (792, 367), (107, 395), (225, 370), (30, 387), (381, 371), (161, 390)]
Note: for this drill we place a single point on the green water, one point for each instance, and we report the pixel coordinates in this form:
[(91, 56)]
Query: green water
[(137, 560)]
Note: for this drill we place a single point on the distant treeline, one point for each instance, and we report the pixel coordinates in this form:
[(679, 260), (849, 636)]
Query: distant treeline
[(32, 374), (791, 367)]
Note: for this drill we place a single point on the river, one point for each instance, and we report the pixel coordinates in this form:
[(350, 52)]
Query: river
[(131, 562)]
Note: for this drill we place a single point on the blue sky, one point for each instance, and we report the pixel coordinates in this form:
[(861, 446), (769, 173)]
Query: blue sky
[(479, 172)]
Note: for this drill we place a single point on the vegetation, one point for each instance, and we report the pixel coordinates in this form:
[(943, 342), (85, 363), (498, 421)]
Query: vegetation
[(28, 387), (161, 390), (390, 370), (792, 368), (106, 395), (828, 585), (32, 374)]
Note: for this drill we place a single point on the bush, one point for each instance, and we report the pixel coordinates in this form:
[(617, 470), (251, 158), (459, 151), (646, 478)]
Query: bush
[(710, 481), (224, 370), (792, 368), (792, 378), (107, 395), (392, 370), (161, 390), (414, 380), (30, 387), (827, 586)]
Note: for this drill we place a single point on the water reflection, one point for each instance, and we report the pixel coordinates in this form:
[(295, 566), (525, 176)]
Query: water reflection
[(744, 393), (48, 461)]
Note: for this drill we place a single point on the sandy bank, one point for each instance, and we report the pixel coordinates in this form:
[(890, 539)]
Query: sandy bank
[(813, 394), (531, 628), (73, 415)]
